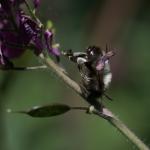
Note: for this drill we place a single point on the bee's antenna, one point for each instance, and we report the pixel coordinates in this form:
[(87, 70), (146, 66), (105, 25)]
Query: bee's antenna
[(107, 48)]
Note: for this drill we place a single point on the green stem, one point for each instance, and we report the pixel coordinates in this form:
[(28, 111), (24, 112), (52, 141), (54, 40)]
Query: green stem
[(33, 14), (106, 113), (123, 129), (128, 133)]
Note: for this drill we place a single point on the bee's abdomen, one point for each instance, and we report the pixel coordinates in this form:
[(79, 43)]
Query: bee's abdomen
[(91, 85)]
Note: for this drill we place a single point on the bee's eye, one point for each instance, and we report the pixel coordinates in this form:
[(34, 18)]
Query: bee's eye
[(92, 53)]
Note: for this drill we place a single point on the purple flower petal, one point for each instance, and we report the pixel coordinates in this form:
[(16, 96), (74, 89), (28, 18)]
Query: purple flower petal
[(11, 45), (55, 51), (48, 38), (38, 44), (48, 41), (31, 32), (28, 28)]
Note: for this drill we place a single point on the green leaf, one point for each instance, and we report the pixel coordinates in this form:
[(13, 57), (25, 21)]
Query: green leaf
[(47, 110)]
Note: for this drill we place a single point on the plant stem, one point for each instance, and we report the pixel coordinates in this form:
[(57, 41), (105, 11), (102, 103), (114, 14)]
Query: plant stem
[(128, 133), (124, 130), (106, 113), (60, 73)]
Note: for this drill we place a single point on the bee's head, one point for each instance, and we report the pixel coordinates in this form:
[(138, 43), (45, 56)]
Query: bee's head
[(93, 53)]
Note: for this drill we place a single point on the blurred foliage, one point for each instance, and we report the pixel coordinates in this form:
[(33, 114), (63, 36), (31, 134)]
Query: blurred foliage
[(74, 22)]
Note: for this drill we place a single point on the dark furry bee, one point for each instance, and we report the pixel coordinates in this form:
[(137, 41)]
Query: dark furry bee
[(93, 65)]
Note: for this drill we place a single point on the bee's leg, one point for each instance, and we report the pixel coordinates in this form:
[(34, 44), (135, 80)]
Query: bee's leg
[(84, 91), (68, 54), (91, 99), (95, 102), (81, 60), (107, 96), (74, 56), (92, 107)]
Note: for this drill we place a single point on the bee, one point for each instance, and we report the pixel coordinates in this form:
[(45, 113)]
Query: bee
[(94, 69)]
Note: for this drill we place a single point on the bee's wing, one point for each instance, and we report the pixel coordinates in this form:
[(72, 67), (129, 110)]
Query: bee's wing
[(107, 75)]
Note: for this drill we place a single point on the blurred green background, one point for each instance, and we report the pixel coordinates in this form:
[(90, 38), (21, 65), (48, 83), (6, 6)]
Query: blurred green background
[(125, 25)]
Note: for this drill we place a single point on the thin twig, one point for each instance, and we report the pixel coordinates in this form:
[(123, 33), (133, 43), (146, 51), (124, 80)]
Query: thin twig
[(80, 108), (32, 13), (25, 68), (106, 113), (30, 10)]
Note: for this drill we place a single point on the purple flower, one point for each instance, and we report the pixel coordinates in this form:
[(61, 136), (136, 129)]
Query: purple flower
[(31, 32), (49, 43), (13, 42), (11, 45), (10, 41), (18, 31)]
